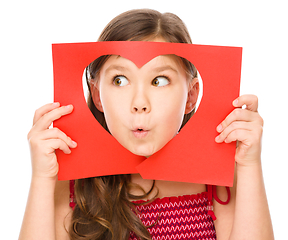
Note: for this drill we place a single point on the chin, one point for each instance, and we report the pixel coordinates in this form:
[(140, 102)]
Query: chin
[(145, 151), (142, 154)]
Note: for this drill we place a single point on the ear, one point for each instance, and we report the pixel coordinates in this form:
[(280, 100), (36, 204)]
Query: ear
[(193, 92), (95, 95)]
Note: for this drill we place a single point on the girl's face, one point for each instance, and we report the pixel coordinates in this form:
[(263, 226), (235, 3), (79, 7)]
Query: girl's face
[(144, 107)]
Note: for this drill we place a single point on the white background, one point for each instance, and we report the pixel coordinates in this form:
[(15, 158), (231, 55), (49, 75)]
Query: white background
[(28, 28)]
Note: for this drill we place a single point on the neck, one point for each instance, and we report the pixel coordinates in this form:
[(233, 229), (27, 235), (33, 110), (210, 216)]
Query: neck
[(166, 188)]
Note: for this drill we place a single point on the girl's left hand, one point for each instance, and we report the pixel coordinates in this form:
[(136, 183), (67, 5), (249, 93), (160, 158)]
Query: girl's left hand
[(244, 126)]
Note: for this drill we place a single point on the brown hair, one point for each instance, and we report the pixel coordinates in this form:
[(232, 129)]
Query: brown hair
[(103, 209)]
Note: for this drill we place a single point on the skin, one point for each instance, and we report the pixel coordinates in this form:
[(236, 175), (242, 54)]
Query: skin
[(145, 100), (245, 218)]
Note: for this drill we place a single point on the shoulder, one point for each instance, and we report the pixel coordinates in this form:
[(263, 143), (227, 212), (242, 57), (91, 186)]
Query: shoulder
[(225, 213), (63, 212)]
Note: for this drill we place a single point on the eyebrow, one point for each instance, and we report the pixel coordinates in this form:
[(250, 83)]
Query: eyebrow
[(157, 69), (165, 68), (115, 67)]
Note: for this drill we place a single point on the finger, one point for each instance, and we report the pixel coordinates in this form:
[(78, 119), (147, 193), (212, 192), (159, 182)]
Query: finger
[(46, 120), (58, 144), (238, 125), (238, 114), (55, 133), (43, 110), (251, 102), (240, 135)]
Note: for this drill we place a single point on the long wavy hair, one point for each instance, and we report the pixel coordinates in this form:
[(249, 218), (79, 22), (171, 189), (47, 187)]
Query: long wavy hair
[(104, 209)]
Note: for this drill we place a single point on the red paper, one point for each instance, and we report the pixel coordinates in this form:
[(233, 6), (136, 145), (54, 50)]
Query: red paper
[(191, 156)]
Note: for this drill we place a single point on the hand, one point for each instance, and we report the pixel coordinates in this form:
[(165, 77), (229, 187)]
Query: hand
[(244, 126), (44, 140)]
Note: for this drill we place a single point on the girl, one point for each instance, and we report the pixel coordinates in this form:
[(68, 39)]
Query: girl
[(144, 109)]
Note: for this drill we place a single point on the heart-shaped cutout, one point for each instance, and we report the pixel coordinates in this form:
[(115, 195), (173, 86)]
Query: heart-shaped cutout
[(164, 73), (192, 156)]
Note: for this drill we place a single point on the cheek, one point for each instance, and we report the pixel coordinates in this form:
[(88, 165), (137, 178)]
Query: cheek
[(173, 120), (171, 111), (169, 120), (113, 108)]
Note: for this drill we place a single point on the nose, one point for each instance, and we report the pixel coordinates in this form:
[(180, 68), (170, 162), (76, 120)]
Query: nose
[(140, 103), (140, 110)]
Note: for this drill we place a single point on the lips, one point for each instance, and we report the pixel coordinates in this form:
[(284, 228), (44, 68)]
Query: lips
[(140, 132)]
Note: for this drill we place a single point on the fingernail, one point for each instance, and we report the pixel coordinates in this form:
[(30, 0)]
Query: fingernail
[(69, 106), (55, 104), (217, 138), (219, 128), (235, 102), (74, 144)]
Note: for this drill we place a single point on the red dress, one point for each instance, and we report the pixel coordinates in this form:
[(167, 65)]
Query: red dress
[(183, 217)]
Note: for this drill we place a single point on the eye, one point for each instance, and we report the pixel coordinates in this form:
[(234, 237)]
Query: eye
[(120, 81), (160, 81)]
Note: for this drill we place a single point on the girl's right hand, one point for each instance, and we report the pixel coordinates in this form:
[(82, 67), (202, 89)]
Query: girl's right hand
[(44, 140)]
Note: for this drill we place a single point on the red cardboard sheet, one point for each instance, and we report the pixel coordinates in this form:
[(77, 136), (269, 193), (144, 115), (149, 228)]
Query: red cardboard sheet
[(191, 156)]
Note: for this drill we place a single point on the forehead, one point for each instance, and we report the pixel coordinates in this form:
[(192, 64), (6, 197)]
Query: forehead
[(161, 62)]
